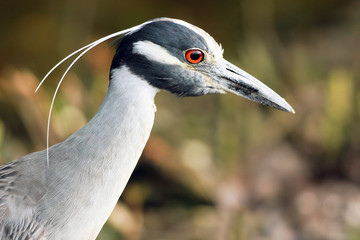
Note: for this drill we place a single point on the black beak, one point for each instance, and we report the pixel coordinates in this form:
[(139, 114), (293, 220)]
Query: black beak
[(233, 79)]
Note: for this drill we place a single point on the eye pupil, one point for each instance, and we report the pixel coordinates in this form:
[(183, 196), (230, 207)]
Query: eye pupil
[(194, 56)]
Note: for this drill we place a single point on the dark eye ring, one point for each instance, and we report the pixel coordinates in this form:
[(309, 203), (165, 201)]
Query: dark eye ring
[(194, 56)]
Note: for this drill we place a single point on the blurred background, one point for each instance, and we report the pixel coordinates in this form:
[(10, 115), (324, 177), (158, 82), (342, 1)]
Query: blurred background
[(215, 167)]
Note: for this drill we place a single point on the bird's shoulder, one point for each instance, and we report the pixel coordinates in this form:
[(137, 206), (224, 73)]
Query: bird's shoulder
[(22, 185)]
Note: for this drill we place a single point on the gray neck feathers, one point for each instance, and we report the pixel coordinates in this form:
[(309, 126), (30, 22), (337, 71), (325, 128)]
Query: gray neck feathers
[(99, 158)]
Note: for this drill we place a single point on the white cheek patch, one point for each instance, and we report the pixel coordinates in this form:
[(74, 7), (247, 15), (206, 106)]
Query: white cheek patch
[(154, 52)]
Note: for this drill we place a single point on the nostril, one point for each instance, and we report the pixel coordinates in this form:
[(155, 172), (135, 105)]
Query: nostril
[(230, 70)]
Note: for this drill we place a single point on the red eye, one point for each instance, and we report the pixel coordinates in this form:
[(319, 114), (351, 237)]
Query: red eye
[(194, 56)]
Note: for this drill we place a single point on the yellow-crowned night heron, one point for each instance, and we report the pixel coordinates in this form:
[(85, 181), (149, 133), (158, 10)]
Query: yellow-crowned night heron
[(72, 195)]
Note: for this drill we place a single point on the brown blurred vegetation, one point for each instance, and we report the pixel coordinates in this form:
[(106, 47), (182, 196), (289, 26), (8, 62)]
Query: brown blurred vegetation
[(215, 167)]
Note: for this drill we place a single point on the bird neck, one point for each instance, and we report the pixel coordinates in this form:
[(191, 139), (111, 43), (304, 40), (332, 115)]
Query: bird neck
[(116, 136), (101, 156), (122, 126)]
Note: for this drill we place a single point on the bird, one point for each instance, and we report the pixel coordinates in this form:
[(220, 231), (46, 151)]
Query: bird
[(67, 191)]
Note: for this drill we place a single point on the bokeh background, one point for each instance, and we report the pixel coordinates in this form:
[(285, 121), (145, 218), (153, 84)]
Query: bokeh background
[(215, 167)]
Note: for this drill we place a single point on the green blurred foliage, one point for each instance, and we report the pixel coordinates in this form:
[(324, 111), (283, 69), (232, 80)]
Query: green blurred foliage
[(215, 167)]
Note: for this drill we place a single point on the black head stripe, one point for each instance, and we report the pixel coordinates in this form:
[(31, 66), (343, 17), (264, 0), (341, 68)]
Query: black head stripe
[(170, 35)]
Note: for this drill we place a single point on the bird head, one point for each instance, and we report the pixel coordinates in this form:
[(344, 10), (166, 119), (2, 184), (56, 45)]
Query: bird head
[(183, 59)]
